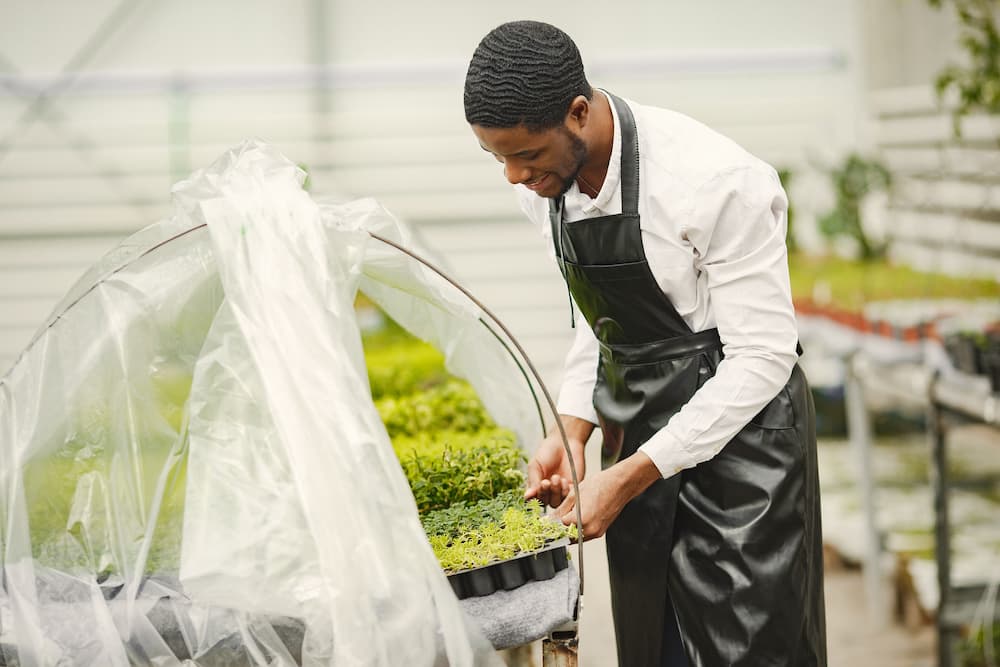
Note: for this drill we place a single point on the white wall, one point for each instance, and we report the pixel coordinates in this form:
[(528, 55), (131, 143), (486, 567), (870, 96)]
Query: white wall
[(184, 80), (906, 42)]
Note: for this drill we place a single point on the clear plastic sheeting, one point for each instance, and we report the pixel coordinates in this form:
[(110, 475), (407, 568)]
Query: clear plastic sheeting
[(431, 308), (191, 467)]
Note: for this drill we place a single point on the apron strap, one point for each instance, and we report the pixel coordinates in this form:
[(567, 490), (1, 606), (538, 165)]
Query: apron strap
[(556, 223), (630, 157)]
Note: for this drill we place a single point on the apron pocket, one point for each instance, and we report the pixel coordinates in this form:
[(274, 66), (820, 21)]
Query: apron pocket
[(778, 413)]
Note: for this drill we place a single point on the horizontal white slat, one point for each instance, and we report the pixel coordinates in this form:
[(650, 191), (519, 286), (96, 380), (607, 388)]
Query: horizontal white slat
[(25, 311), (916, 130), (378, 180), (914, 225), (942, 161), (64, 252), (506, 292), (88, 190), (979, 234), (499, 235), (63, 218), (13, 339), (440, 180), (64, 160), (231, 119), (908, 100), (527, 263), (935, 129), (539, 321), (457, 207), (945, 259), (418, 148), (947, 194), (912, 160), (971, 161), (946, 228), (124, 162), (155, 160), (37, 282)]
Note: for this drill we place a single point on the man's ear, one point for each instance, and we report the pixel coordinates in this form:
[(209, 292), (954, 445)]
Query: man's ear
[(579, 112)]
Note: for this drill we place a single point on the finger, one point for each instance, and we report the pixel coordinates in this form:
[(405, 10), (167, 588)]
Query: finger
[(560, 488), (544, 491), (535, 474), (556, 495), (565, 511)]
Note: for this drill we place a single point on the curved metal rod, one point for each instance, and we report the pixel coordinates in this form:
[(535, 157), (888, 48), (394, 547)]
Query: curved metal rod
[(58, 316), (432, 267), (534, 373)]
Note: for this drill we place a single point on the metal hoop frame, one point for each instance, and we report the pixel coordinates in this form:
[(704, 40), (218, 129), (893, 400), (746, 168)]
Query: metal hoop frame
[(454, 283)]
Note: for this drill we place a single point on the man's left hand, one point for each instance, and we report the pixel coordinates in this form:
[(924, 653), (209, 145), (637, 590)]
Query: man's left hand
[(605, 494)]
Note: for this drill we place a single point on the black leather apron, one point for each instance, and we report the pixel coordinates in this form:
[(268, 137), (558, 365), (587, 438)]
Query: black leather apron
[(722, 564)]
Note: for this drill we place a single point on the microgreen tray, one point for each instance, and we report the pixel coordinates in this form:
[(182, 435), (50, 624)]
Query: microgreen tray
[(537, 565)]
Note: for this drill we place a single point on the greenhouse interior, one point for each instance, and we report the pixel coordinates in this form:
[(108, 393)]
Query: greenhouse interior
[(281, 349)]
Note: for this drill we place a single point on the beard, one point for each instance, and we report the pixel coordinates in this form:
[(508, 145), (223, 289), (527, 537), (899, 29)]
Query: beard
[(578, 156)]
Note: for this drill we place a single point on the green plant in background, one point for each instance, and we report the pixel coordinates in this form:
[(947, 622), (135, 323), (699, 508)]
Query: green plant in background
[(976, 83), (785, 176), (852, 285), (857, 178), (453, 406), (403, 368)]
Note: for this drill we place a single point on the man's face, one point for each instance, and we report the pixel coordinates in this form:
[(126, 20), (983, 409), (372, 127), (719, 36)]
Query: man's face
[(546, 162)]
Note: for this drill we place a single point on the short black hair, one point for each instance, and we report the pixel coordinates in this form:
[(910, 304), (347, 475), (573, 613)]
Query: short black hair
[(524, 73)]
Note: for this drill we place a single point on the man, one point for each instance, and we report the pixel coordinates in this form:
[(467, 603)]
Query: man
[(671, 241)]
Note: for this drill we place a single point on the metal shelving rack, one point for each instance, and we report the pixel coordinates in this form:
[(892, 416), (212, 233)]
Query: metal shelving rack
[(952, 400), (949, 399)]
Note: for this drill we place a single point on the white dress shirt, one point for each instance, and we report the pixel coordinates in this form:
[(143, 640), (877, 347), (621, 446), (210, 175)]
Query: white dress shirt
[(713, 223)]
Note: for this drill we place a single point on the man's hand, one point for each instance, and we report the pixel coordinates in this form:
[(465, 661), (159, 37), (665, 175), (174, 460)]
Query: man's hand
[(604, 495), (549, 475)]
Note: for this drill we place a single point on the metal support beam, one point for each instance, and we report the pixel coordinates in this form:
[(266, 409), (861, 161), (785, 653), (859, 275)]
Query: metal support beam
[(39, 105), (560, 648), (320, 47), (942, 535), (859, 426)]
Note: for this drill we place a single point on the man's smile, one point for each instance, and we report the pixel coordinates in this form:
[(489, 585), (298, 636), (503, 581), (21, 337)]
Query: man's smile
[(537, 184)]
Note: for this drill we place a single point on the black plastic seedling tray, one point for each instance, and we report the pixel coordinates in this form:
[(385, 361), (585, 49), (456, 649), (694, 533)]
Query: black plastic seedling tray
[(507, 575)]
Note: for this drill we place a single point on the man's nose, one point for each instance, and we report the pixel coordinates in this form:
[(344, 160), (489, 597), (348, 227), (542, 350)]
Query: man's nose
[(515, 172)]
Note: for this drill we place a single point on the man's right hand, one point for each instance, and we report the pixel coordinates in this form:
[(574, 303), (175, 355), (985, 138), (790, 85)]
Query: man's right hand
[(549, 474)]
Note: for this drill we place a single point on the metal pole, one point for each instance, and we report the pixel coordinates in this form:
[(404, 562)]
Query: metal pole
[(319, 39), (942, 535), (561, 647), (859, 427), (179, 130), (70, 71)]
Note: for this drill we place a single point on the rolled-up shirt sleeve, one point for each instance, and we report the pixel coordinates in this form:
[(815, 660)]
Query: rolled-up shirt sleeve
[(737, 232)]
